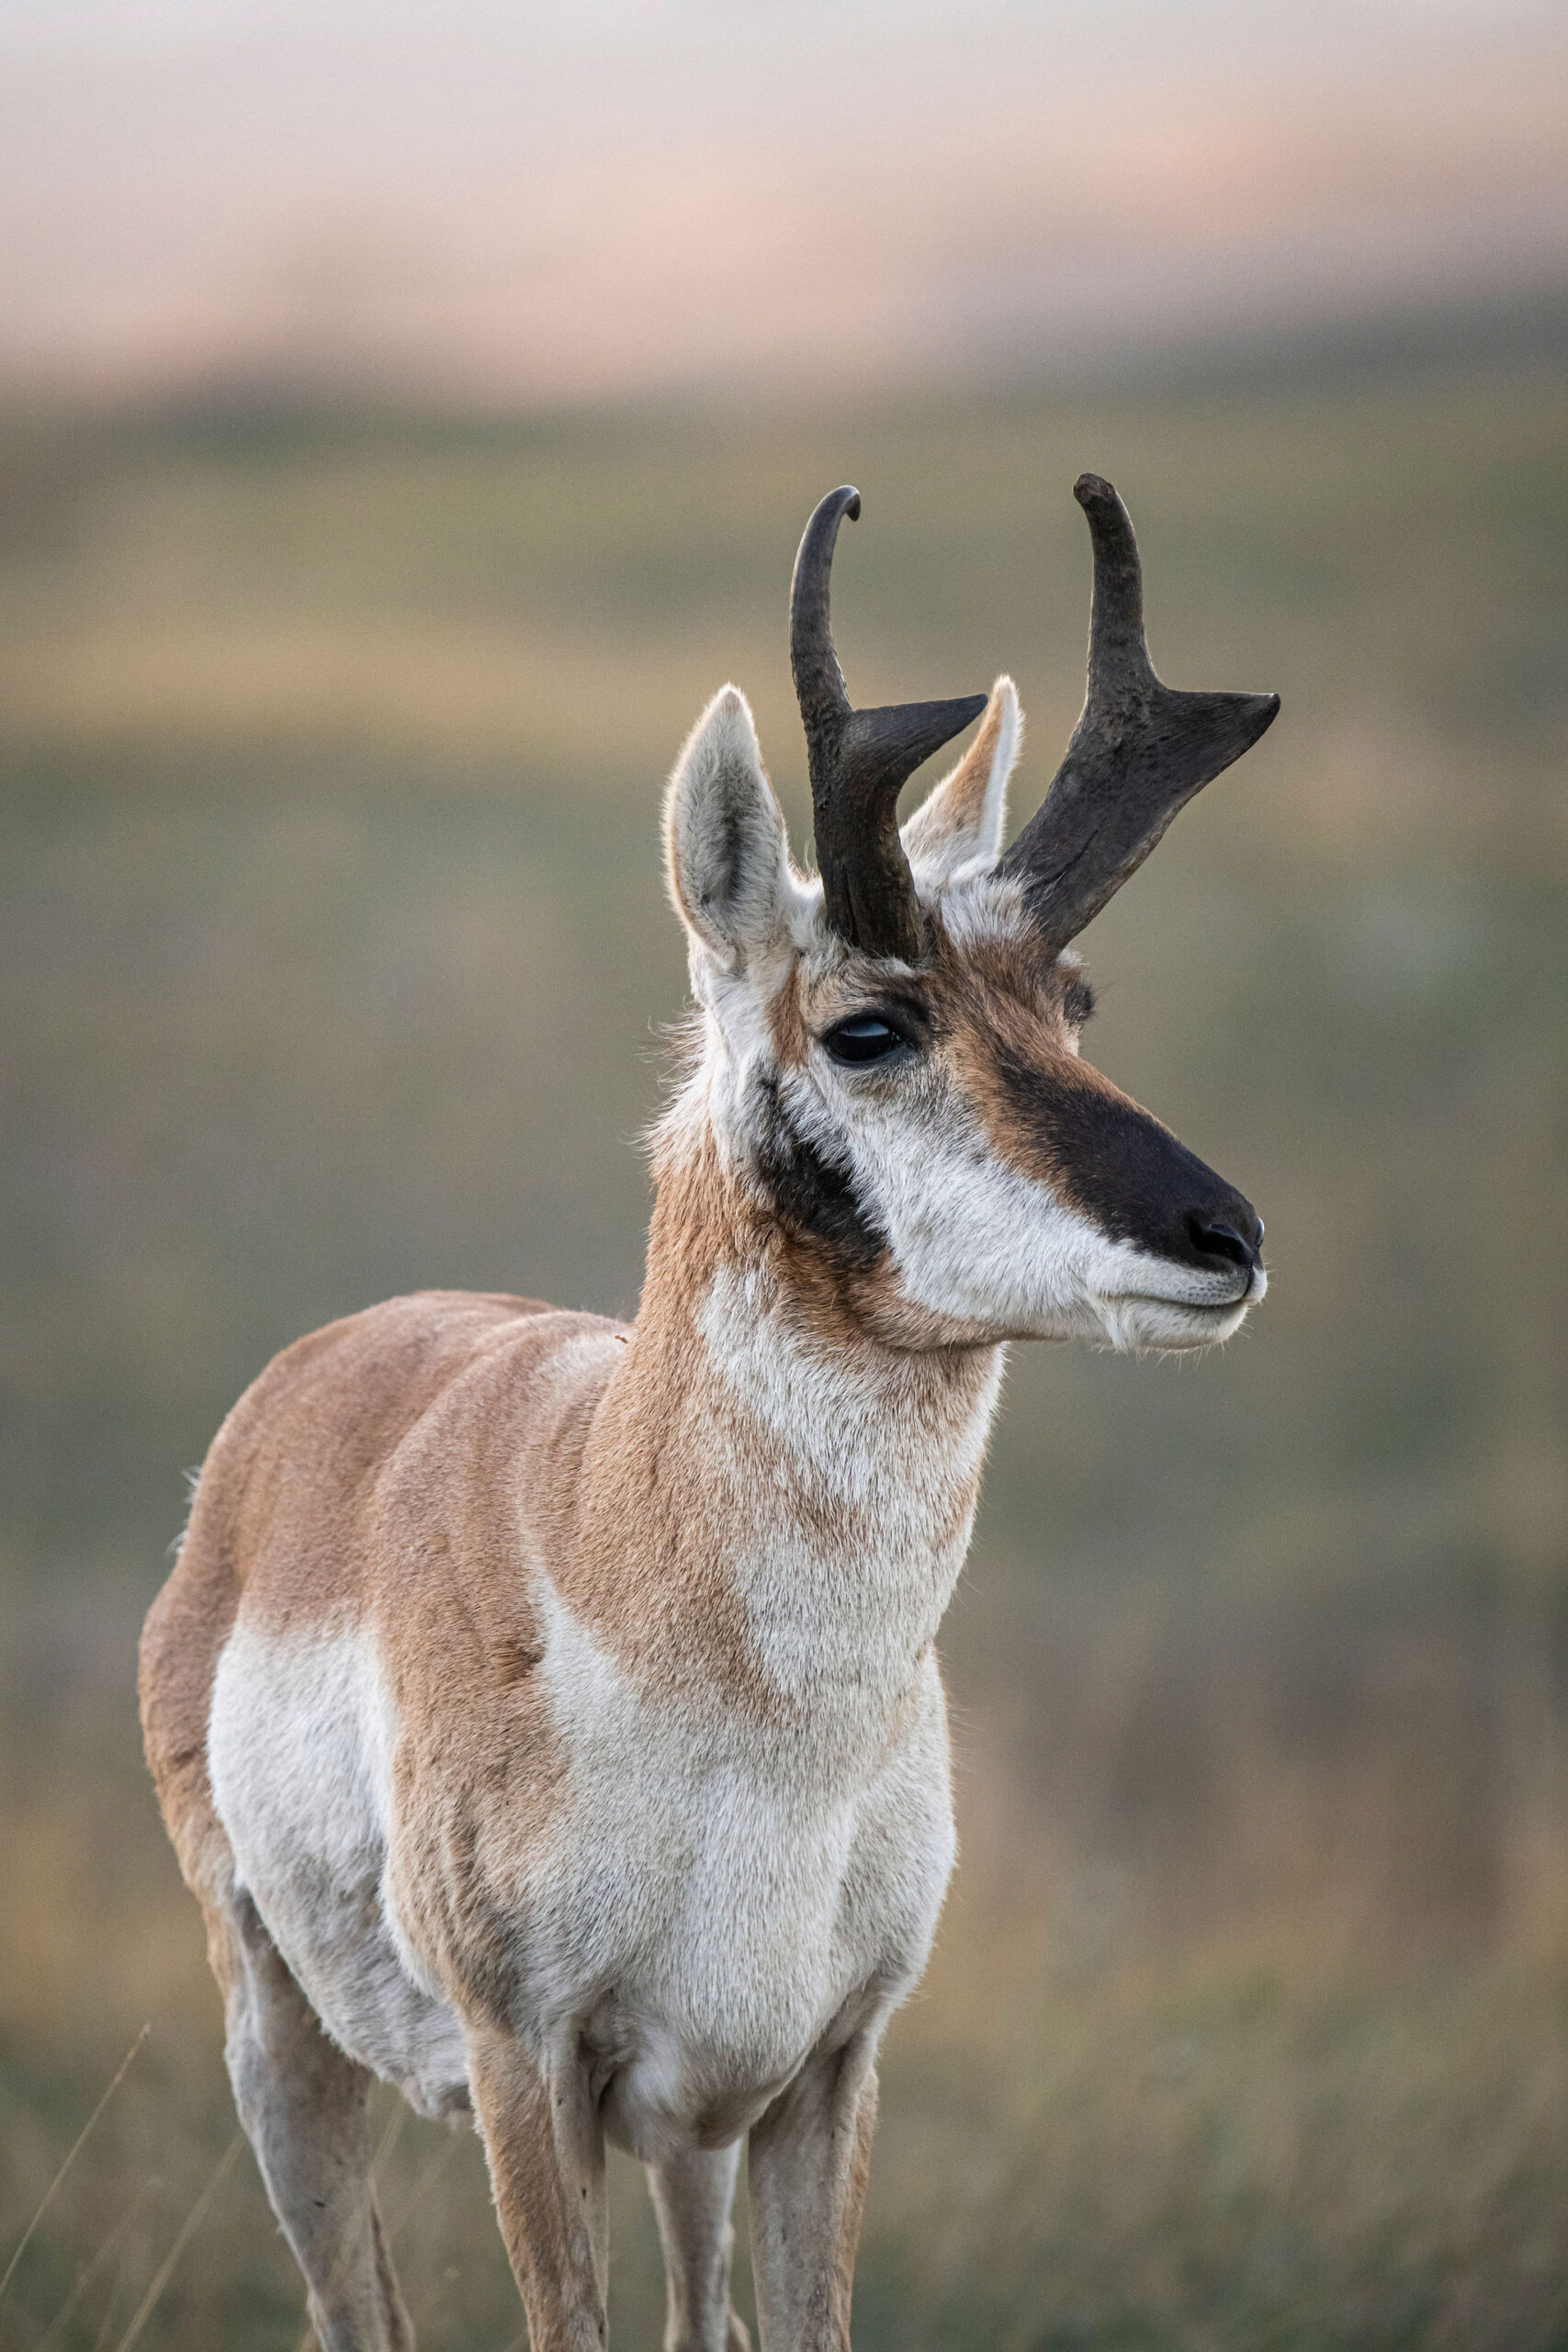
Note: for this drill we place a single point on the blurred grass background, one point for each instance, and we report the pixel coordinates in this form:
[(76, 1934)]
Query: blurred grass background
[(335, 962)]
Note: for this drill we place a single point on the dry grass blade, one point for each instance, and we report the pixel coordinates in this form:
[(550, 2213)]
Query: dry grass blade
[(388, 2141), (416, 2195), (115, 2238), (111, 2308), (76, 2147), (164, 2271)]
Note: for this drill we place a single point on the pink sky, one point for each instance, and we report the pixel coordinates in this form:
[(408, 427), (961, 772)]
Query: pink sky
[(547, 201)]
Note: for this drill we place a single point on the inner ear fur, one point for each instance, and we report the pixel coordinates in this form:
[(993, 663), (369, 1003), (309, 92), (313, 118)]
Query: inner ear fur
[(726, 853), (963, 818)]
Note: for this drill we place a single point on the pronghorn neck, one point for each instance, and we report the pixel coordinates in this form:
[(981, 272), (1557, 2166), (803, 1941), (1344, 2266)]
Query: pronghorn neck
[(841, 1474)]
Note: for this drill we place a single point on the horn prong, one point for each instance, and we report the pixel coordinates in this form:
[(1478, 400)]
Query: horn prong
[(858, 759), (1140, 749)]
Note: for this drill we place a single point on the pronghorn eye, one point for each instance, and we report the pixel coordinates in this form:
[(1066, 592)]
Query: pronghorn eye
[(866, 1038)]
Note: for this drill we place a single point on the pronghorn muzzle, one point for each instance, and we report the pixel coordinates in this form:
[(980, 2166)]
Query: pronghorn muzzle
[(1123, 1170), (1141, 1185)]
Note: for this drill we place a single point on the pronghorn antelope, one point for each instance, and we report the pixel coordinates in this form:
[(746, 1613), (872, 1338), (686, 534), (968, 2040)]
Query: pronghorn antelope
[(546, 1710)]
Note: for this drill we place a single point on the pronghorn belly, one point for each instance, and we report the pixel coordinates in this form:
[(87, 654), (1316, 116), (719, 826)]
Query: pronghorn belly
[(297, 1746)]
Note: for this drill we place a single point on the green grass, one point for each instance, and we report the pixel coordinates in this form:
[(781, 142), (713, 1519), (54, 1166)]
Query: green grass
[(333, 961)]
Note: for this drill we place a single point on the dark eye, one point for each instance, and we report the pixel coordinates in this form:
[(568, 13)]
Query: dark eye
[(866, 1038)]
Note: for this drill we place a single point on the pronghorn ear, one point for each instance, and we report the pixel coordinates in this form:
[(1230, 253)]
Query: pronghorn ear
[(962, 818), (726, 853)]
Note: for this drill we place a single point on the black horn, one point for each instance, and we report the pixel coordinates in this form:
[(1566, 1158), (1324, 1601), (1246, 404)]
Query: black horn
[(860, 760), (1138, 753)]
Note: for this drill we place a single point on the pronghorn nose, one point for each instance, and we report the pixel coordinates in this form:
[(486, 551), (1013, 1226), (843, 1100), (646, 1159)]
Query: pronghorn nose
[(1237, 1235)]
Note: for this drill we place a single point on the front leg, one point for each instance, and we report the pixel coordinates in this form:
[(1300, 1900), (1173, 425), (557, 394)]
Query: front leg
[(691, 2197), (809, 2158), (545, 2150)]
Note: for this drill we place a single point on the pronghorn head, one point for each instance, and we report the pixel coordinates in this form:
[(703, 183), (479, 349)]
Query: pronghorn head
[(891, 1066)]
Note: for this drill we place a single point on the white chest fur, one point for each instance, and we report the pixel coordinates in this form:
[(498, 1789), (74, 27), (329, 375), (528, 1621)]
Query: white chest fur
[(846, 1555), (701, 1914), (719, 1895)]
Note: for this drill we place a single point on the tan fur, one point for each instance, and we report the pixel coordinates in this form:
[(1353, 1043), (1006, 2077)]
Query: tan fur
[(1002, 997), (787, 1022), (547, 2176), (311, 1507)]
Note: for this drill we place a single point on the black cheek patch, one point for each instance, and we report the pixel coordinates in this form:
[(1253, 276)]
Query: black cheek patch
[(1100, 1153), (813, 1197)]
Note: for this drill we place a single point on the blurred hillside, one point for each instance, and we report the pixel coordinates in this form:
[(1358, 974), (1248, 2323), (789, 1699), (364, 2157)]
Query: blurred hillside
[(334, 964)]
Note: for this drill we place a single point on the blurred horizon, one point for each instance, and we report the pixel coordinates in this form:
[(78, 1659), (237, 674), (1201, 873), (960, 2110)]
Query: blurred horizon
[(573, 202)]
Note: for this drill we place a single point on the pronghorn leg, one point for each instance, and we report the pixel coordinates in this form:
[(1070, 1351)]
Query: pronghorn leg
[(545, 2148), (303, 2107), (691, 2197), (810, 2157)]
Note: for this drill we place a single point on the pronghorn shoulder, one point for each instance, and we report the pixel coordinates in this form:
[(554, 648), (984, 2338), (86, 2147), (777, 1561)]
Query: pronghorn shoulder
[(371, 1448)]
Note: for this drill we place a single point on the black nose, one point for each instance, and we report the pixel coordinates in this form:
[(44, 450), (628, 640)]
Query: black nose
[(1233, 1237)]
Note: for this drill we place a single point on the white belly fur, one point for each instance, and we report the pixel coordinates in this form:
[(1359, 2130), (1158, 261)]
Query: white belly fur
[(707, 1909), (297, 1746)]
